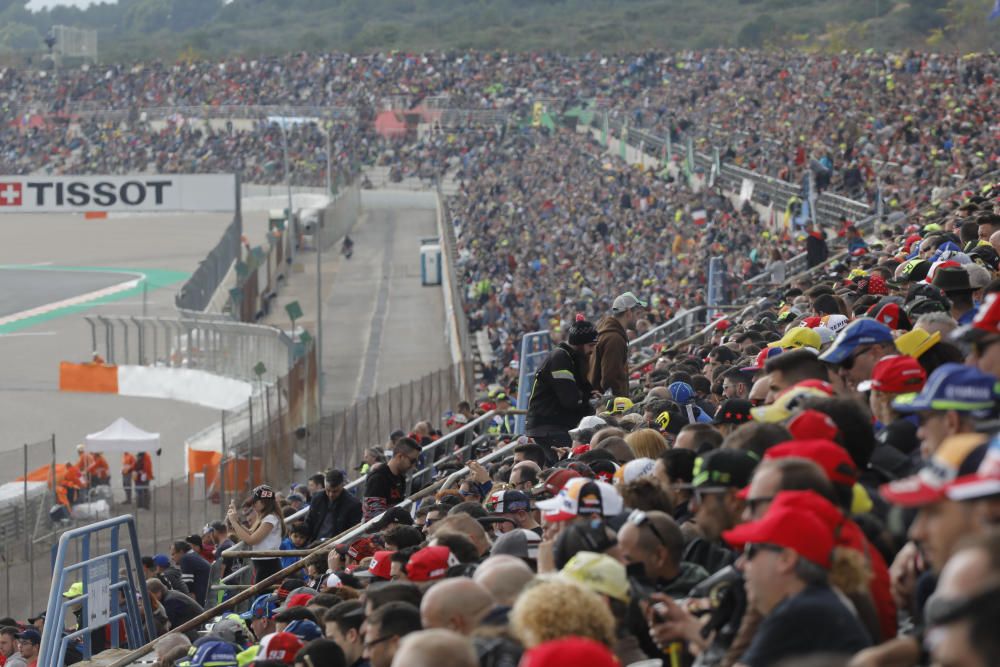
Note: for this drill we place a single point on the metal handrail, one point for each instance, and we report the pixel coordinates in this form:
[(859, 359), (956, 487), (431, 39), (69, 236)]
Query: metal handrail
[(325, 546), (240, 546)]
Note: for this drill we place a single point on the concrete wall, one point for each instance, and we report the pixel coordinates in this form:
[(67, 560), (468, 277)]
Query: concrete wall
[(340, 215), (183, 384)]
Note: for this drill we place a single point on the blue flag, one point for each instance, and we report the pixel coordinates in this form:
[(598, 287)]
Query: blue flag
[(996, 11)]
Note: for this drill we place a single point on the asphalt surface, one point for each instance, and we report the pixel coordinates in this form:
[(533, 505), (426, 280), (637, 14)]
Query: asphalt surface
[(381, 327), (32, 408), (24, 289)]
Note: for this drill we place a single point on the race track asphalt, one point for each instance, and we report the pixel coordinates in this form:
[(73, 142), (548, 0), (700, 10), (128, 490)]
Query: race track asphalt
[(25, 289)]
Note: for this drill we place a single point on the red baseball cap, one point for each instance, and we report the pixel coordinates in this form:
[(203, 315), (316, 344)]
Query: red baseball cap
[(787, 525), (280, 646), (558, 479), (381, 565), (828, 455), (297, 600), (762, 357), (896, 374), (812, 425), (430, 563), (361, 548), (568, 652)]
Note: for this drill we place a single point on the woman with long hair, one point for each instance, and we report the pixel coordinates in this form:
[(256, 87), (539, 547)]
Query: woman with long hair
[(266, 532)]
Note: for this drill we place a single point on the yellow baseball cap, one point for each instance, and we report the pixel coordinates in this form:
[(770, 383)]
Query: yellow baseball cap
[(619, 404), (786, 404), (74, 591), (798, 337), (914, 343), (599, 573)]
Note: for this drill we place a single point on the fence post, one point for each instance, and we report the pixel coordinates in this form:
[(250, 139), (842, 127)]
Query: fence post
[(250, 457), (354, 410), (25, 474), (223, 503), (268, 446), (171, 531)]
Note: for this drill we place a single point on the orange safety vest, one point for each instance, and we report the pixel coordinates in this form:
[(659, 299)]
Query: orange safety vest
[(128, 462), (98, 468)]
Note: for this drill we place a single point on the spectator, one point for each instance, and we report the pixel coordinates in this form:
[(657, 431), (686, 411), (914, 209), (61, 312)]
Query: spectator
[(178, 607), (169, 574), (333, 511), (717, 507), (433, 648), (554, 609), (343, 623), (560, 396), (264, 534), (320, 652), (9, 647), (28, 642), (510, 510), (609, 364), (385, 485), (386, 627), (194, 569)]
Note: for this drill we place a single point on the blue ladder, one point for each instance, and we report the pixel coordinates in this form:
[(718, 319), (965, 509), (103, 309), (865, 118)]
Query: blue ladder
[(106, 578)]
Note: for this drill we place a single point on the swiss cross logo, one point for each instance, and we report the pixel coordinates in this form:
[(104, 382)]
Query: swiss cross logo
[(10, 194)]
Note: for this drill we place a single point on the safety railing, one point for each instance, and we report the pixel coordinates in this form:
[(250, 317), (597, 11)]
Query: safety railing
[(347, 536), (830, 208), (106, 596), (232, 349), (429, 455)]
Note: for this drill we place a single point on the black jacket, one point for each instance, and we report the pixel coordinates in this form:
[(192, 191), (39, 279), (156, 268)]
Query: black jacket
[(346, 514), (560, 395), (816, 249)]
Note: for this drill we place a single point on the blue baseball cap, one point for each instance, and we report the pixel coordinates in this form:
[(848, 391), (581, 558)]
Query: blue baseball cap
[(263, 606), (304, 629), (682, 392), (863, 331), (953, 387), (213, 654), (30, 635), (161, 560)]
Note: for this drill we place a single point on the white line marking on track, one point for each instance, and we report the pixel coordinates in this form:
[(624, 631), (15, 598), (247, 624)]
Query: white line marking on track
[(73, 301), (28, 333)]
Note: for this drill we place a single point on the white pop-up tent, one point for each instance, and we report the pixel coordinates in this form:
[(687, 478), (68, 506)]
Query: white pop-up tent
[(123, 436)]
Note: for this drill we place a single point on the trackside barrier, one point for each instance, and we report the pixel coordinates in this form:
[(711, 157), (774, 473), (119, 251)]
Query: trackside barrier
[(535, 347), (351, 534), (106, 578)]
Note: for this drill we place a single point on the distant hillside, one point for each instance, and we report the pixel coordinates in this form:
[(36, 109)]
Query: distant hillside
[(138, 29)]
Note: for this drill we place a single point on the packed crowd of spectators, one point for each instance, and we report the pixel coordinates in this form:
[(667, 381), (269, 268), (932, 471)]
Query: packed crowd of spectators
[(548, 225), (916, 122), (813, 482)]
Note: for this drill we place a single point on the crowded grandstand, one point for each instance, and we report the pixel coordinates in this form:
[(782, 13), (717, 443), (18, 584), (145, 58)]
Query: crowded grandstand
[(807, 472)]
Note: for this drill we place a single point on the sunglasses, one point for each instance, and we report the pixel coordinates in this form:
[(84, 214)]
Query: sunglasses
[(751, 550), (376, 642), (639, 519), (701, 493), (848, 363)]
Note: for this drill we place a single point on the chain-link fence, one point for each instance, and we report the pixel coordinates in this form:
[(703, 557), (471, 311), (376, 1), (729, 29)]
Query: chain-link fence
[(339, 439)]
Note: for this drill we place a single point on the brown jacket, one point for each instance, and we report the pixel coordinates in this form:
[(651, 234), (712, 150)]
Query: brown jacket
[(609, 365)]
